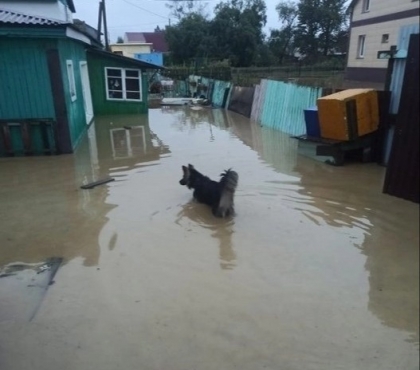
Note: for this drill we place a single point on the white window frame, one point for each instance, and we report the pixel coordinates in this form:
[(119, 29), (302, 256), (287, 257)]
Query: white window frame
[(130, 148), (123, 79), (72, 81), (366, 6), (361, 41)]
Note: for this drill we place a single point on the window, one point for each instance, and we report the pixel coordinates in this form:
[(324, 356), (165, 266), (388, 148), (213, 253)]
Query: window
[(128, 143), (72, 84), (118, 52), (123, 84), (385, 38), (366, 6), (361, 47)]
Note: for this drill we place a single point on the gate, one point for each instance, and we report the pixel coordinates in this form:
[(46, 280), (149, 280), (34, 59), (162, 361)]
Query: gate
[(402, 175)]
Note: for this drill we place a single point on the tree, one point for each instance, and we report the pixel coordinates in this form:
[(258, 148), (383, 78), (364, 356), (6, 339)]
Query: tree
[(237, 30), (281, 45), (189, 38), (280, 41), (331, 20), (180, 9), (120, 40), (319, 22)]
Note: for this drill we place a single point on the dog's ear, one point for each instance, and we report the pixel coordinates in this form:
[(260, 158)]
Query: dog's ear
[(190, 166), (184, 169)]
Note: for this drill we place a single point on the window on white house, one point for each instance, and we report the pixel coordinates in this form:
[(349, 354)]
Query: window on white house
[(72, 83), (385, 38), (123, 84), (366, 6), (361, 46)]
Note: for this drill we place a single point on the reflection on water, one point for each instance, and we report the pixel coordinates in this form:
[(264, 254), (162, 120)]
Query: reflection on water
[(350, 199), (321, 265), (222, 230), (46, 213)]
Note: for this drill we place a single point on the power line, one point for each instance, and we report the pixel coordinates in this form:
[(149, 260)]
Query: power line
[(139, 24), (147, 11)]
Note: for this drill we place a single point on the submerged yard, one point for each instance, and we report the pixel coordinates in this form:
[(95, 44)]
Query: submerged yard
[(318, 270)]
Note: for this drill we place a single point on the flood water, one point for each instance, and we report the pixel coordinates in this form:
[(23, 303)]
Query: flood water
[(317, 271)]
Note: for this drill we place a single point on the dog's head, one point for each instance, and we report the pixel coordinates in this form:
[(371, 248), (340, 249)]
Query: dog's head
[(186, 177)]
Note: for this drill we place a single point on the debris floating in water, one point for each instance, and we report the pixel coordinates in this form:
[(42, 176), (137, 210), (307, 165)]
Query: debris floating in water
[(96, 183)]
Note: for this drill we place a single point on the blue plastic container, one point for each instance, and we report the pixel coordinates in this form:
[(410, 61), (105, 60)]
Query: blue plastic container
[(312, 122)]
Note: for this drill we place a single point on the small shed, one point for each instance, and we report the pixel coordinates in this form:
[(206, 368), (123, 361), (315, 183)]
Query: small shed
[(119, 84)]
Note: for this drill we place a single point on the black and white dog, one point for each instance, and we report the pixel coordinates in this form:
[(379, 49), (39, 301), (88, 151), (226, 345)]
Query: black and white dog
[(218, 195)]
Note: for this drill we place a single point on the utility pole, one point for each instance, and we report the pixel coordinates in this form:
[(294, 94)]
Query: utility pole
[(99, 21), (105, 27), (102, 18)]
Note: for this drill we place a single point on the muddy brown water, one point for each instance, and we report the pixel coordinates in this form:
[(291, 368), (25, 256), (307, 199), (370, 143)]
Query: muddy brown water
[(318, 270)]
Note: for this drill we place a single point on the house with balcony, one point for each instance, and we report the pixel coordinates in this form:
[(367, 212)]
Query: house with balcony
[(375, 26)]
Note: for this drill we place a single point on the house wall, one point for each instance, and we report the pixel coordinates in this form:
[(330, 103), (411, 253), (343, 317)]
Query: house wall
[(25, 90), (129, 50), (383, 17), (101, 105), (382, 7), (74, 51), (153, 58), (46, 9), (373, 42)]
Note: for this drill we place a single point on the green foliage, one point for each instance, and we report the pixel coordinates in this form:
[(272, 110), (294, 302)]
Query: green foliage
[(180, 9), (312, 28), (189, 38), (319, 22)]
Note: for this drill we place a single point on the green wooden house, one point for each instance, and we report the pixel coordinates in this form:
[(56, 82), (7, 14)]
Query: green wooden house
[(55, 77)]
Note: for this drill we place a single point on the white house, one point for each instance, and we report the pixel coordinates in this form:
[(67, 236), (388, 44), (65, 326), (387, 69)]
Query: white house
[(375, 26), (61, 10)]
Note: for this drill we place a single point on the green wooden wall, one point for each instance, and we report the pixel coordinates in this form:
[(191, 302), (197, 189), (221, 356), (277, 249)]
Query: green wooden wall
[(74, 51), (25, 90), (101, 105)]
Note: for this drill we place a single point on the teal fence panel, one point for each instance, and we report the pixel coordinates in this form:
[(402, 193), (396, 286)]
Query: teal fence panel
[(260, 102), (218, 95), (179, 89), (283, 105), (255, 103)]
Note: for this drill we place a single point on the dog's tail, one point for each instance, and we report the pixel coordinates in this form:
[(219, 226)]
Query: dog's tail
[(228, 182)]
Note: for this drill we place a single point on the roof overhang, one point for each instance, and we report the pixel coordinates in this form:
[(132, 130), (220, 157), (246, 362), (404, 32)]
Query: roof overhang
[(70, 3), (351, 6), (123, 59)]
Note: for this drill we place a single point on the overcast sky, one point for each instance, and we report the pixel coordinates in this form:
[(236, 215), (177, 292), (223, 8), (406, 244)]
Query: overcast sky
[(144, 15)]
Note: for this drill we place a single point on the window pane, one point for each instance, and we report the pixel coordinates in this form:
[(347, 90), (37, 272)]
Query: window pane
[(114, 83), (113, 72), (131, 73), (133, 95), (132, 84), (115, 95)]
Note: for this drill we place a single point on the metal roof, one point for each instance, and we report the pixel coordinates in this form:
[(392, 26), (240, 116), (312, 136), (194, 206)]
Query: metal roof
[(9, 17), (126, 60)]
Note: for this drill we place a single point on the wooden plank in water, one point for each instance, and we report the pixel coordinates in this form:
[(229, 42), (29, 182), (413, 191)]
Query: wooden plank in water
[(97, 183)]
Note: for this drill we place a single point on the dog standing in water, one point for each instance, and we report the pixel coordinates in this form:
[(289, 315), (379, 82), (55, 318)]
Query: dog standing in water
[(218, 195)]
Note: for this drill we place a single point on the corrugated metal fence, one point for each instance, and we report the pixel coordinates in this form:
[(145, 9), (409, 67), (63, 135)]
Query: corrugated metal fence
[(280, 105), (219, 91), (399, 65), (273, 104)]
